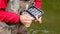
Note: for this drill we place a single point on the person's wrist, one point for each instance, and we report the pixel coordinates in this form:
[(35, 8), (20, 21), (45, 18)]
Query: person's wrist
[(20, 22)]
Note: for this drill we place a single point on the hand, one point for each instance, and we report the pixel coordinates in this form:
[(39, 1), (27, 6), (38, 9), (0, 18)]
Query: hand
[(38, 20), (26, 20)]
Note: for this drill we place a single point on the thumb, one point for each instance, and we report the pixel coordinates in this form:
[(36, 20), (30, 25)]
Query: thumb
[(39, 19)]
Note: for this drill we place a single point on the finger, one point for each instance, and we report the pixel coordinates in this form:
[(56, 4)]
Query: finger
[(40, 20), (37, 18), (28, 22), (29, 18), (27, 26), (36, 21)]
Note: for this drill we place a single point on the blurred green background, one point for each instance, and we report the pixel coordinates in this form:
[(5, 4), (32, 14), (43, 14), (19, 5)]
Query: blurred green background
[(50, 21)]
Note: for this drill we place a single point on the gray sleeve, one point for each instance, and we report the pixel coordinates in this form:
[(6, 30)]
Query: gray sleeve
[(13, 5)]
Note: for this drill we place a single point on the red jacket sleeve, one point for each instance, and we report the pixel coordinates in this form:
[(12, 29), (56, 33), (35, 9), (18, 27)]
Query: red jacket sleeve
[(9, 17), (38, 4), (5, 16), (3, 3)]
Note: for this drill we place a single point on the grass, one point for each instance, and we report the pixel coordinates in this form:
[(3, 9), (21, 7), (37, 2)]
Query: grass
[(51, 19)]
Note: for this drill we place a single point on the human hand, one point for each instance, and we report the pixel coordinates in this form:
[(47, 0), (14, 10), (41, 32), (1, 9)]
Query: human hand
[(26, 20), (39, 20)]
